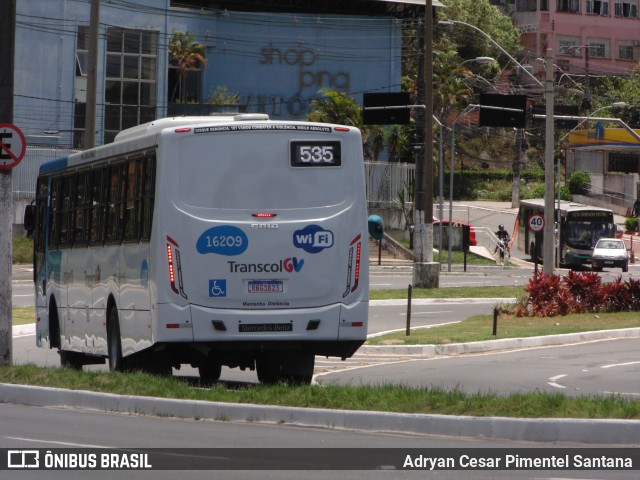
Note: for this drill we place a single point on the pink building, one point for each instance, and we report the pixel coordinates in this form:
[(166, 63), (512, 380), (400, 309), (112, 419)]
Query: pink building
[(609, 28)]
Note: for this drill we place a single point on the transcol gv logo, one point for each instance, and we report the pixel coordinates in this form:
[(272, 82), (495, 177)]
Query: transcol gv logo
[(289, 265), (313, 239)]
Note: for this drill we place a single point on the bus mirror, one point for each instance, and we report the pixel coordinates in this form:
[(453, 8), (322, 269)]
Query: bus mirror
[(29, 219), (376, 227)]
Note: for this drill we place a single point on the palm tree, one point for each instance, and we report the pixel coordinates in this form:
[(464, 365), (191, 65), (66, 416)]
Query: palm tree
[(336, 107), (186, 54)]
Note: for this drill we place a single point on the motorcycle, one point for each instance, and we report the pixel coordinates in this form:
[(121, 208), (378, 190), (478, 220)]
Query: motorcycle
[(503, 249)]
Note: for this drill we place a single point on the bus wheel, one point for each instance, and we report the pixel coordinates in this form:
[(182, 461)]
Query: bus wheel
[(54, 326), (293, 368), (71, 360), (114, 342), (209, 372), (265, 371)]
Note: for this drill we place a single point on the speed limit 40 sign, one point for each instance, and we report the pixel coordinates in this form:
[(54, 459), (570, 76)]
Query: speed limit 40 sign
[(12, 146), (536, 222)]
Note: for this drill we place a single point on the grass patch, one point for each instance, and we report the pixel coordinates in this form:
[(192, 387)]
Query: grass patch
[(22, 249), (384, 398), (449, 292), (23, 315), (457, 257), (480, 328)]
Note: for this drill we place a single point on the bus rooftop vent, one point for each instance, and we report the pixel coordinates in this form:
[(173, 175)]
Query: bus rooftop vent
[(248, 117)]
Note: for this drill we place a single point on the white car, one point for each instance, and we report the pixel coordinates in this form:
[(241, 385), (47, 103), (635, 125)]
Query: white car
[(610, 252)]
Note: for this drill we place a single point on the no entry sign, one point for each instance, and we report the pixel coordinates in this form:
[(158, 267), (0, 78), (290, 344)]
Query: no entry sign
[(13, 146)]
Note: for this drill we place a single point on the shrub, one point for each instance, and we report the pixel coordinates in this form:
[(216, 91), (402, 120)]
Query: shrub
[(579, 182), (552, 295), (631, 224)]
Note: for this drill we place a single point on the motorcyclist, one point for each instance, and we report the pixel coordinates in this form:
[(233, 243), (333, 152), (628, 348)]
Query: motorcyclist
[(503, 237)]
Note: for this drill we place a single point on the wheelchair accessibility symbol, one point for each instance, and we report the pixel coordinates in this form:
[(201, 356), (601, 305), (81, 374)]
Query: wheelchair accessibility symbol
[(218, 288)]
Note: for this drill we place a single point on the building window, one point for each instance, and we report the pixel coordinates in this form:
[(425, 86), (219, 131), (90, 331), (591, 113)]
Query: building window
[(572, 6), (80, 86), (626, 8), (627, 51), (598, 7), (527, 5), (569, 46), (623, 162), (598, 48), (131, 79)]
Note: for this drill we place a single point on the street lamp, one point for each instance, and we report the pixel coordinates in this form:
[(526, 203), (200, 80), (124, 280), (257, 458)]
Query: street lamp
[(485, 35), (548, 252), (592, 117), (479, 60)]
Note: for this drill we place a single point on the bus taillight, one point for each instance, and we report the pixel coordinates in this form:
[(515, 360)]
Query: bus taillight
[(173, 258), (172, 275), (353, 271), (357, 274)]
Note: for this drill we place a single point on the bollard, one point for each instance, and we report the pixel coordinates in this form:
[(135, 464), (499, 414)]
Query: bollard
[(495, 322), (408, 332), (632, 255)]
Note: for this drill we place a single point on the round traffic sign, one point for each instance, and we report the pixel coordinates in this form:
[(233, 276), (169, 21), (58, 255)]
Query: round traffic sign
[(13, 146), (536, 222)]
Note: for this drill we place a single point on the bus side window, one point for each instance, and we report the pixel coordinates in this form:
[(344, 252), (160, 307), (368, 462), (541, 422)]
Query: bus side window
[(81, 207), (130, 205), (99, 193), (41, 210), (66, 222), (54, 210), (147, 195)]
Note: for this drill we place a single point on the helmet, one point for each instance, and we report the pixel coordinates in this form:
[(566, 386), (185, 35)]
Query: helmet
[(500, 227)]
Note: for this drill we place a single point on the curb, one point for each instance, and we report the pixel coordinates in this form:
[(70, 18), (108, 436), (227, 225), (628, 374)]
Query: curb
[(502, 344), (612, 432)]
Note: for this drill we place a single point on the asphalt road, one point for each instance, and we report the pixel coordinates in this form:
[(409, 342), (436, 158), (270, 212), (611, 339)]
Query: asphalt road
[(603, 368), (51, 428)]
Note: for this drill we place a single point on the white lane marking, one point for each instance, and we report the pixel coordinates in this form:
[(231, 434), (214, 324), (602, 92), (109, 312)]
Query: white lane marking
[(619, 364), (54, 442), (552, 381), (415, 314)]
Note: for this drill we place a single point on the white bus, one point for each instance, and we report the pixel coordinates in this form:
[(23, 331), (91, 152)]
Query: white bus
[(209, 241), (580, 227)]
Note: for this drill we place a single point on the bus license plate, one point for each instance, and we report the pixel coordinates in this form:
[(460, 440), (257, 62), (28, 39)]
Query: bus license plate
[(265, 286)]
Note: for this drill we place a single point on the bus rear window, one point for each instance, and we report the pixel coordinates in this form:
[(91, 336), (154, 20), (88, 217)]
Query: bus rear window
[(256, 172)]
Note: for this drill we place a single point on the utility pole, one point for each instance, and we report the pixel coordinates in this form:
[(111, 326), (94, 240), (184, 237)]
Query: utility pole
[(517, 167), (548, 256), (425, 271), (7, 56), (92, 67)]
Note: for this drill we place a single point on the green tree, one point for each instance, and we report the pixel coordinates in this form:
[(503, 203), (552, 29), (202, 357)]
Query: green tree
[(339, 107), (488, 18), (186, 54), (399, 144), (336, 107), (579, 182)]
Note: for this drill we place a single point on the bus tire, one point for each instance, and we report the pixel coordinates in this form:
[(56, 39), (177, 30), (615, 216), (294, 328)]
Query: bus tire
[(209, 372), (114, 342), (73, 360), (265, 371), (294, 368), (54, 326)]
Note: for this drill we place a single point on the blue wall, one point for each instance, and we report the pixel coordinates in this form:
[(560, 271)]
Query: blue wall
[(275, 62)]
